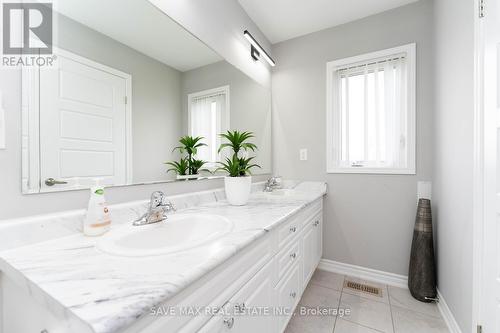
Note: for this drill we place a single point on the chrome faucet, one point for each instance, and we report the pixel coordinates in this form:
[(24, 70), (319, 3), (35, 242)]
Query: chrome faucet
[(273, 183), (157, 210)]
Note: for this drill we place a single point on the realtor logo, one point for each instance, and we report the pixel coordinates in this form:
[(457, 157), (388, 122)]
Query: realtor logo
[(27, 28)]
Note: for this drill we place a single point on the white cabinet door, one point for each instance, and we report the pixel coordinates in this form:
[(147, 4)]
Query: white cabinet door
[(312, 242), (309, 253), (218, 324), (83, 124), (318, 226), (246, 311), (289, 291), (254, 303)]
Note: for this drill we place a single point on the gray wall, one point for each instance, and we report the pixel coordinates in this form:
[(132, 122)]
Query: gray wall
[(368, 218), (250, 104), (14, 204), (453, 154), (156, 96)]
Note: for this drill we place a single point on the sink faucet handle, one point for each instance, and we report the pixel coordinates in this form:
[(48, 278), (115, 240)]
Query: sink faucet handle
[(158, 209), (169, 207), (273, 183), (156, 199)]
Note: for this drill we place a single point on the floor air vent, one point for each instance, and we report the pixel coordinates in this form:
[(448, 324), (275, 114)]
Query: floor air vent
[(363, 288)]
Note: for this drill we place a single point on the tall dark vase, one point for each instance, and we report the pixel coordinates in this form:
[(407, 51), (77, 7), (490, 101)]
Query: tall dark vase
[(422, 272)]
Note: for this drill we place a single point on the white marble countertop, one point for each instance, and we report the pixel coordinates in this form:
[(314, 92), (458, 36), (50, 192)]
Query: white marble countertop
[(108, 293)]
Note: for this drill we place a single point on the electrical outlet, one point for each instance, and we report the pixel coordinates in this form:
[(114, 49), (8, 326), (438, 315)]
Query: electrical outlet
[(303, 154)]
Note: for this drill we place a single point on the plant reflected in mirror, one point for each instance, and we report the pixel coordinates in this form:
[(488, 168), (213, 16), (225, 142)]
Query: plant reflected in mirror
[(188, 165), (180, 168)]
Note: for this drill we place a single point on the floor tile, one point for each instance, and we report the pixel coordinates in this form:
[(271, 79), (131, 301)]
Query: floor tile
[(406, 321), (401, 297), (344, 326), (363, 311), (317, 296), (310, 324), (328, 279), (384, 298)]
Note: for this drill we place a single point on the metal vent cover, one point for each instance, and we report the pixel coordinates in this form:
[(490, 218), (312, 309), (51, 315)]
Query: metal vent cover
[(365, 288)]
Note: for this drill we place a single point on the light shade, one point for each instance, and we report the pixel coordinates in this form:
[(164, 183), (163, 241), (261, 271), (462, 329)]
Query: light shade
[(259, 48)]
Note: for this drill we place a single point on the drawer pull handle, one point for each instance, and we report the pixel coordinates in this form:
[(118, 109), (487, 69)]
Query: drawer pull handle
[(293, 229), (293, 255), (229, 322), (293, 294)]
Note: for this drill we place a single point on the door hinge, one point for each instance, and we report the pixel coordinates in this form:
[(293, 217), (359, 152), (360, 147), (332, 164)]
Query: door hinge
[(125, 99), (479, 329), (482, 8)]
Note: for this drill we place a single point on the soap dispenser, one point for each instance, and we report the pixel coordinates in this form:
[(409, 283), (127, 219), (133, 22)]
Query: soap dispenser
[(97, 221)]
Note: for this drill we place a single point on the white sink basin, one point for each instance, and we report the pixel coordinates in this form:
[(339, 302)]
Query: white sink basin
[(282, 192), (178, 233)]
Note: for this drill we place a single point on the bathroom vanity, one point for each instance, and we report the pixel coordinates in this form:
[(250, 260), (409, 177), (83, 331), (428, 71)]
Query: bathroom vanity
[(247, 276), (110, 112)]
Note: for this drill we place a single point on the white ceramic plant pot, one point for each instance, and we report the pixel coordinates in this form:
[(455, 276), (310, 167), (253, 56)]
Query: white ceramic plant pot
[(184, 177), (238, 189)]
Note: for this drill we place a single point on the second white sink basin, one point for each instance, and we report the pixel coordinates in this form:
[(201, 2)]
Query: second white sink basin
[(178, 233), (282, 192)]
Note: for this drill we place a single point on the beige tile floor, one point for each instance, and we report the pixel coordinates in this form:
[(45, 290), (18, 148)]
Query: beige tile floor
[(395, 312)]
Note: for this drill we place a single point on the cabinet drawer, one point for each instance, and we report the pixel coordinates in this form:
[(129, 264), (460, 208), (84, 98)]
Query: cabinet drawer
[(289, 230), (293, 226), (287, 257), (311, 211), (288, 296), (315, 220)]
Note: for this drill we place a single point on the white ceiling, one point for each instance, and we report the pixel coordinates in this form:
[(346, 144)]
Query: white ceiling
[(142, 27), (280, 20)]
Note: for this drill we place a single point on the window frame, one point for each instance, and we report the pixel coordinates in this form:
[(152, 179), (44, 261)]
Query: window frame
[(333, 111), (225, 123)]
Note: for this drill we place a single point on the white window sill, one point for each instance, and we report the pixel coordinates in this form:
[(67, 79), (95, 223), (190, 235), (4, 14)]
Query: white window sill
[(378, 171)]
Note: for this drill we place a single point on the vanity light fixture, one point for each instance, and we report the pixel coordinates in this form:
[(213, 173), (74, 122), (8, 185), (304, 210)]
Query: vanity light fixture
[(257, 50)]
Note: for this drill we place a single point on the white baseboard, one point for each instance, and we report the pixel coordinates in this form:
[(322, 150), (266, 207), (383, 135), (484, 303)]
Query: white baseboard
[(374, 275), (391, 279), (447, 315)]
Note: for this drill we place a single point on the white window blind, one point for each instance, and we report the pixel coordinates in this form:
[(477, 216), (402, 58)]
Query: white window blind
[(371, 113), (208, 117)]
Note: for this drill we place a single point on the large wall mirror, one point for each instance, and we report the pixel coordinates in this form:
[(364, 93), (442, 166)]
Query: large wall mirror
[(127, 84)]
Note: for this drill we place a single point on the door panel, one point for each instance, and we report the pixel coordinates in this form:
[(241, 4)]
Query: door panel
[(75, 125), (490, 302), (83, 129)]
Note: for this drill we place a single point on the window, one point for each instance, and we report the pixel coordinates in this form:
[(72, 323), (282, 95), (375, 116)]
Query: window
[(371, 113), (208, 117)]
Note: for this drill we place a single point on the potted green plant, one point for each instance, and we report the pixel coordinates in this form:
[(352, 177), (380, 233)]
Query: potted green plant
[(238, 183), (197, 165), (180, 168), (188, 167)]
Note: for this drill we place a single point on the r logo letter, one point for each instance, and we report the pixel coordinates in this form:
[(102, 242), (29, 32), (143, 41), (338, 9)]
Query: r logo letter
[(36, 30)]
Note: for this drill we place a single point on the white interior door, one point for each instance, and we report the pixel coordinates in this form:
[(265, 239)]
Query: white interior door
[(490, 302), (83, 124)]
